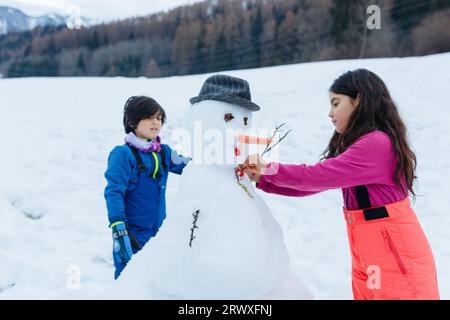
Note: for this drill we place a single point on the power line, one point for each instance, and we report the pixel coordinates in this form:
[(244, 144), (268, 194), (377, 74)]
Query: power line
[(248, 48), (289, 39)]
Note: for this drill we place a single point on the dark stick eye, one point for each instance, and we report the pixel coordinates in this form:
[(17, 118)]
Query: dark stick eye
[(228, 117), (245, 120)]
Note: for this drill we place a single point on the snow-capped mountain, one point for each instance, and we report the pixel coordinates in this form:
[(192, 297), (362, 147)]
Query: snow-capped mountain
[(14, 20)]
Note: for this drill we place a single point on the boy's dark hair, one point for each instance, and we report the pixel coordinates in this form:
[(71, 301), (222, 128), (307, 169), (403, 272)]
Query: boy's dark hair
[(138, 108)]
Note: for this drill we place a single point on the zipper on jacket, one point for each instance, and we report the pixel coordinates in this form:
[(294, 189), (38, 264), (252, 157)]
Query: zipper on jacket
[(392, 249)]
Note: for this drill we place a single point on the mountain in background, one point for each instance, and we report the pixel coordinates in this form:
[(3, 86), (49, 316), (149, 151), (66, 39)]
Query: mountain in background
[(14, 20), (217, 35)]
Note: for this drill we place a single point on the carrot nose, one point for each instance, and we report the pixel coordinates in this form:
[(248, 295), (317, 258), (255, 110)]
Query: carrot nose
[(254, 140)]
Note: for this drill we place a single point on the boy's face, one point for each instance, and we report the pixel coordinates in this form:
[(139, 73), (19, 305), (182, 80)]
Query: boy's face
[(149, 128)]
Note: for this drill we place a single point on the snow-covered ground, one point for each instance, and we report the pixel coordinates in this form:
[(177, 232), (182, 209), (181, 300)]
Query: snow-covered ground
[(56, 135)]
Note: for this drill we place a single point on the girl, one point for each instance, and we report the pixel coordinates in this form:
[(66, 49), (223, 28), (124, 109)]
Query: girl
[(136, 179), (369, 158)]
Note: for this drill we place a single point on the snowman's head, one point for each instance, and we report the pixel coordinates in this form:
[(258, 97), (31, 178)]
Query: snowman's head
[(221, 112), (222, 116), (224, 102), (214, 127)]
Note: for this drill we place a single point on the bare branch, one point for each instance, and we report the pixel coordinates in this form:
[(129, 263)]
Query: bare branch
[(277, 129), (194, 226), (270, 146)]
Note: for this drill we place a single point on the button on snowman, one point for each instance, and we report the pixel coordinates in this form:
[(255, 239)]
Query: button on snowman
[(219, 240)]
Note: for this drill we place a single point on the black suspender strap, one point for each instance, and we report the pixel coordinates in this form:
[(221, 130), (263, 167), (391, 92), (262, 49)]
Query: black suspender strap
[(375, 213), (141, 166), (163, 159), (362, 196)]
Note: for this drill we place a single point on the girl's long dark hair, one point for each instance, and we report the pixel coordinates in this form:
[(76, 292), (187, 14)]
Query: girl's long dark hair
[(376, 110)]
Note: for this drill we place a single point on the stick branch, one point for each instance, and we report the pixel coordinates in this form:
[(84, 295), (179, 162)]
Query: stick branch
[(194, 226), (270, 146)]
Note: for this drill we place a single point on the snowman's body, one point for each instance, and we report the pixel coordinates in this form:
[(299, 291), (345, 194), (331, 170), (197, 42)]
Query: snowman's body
[(238, 250)]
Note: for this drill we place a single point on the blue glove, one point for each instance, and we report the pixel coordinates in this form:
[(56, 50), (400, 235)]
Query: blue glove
[(121, 242)]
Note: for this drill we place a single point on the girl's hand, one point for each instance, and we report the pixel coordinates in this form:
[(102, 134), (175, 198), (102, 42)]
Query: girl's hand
[(254, 166)]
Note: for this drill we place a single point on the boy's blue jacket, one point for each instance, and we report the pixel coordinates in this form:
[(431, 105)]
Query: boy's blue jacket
[(139, 198)]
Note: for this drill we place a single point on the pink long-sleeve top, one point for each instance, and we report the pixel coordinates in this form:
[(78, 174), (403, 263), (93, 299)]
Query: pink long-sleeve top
[(369, 161)]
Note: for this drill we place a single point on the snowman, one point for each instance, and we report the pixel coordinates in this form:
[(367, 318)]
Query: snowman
[(219, 240)]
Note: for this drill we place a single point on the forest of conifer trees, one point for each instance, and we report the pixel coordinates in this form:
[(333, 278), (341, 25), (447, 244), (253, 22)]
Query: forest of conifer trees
[(229, 34)]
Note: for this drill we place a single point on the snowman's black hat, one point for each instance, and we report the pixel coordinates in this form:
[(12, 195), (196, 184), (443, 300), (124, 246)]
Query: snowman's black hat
[(227, 89)]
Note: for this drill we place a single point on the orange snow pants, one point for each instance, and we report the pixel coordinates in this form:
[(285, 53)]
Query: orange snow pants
[(391, 257)]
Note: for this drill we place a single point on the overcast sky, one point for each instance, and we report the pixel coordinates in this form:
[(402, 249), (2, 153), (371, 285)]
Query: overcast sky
[(98, 9)]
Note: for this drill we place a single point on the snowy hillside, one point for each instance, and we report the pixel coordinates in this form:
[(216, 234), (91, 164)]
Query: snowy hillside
[(56, 135)]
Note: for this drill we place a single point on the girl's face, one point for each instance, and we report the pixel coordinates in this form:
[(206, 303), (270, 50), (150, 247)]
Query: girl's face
[(342, 107), (149, 128)]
